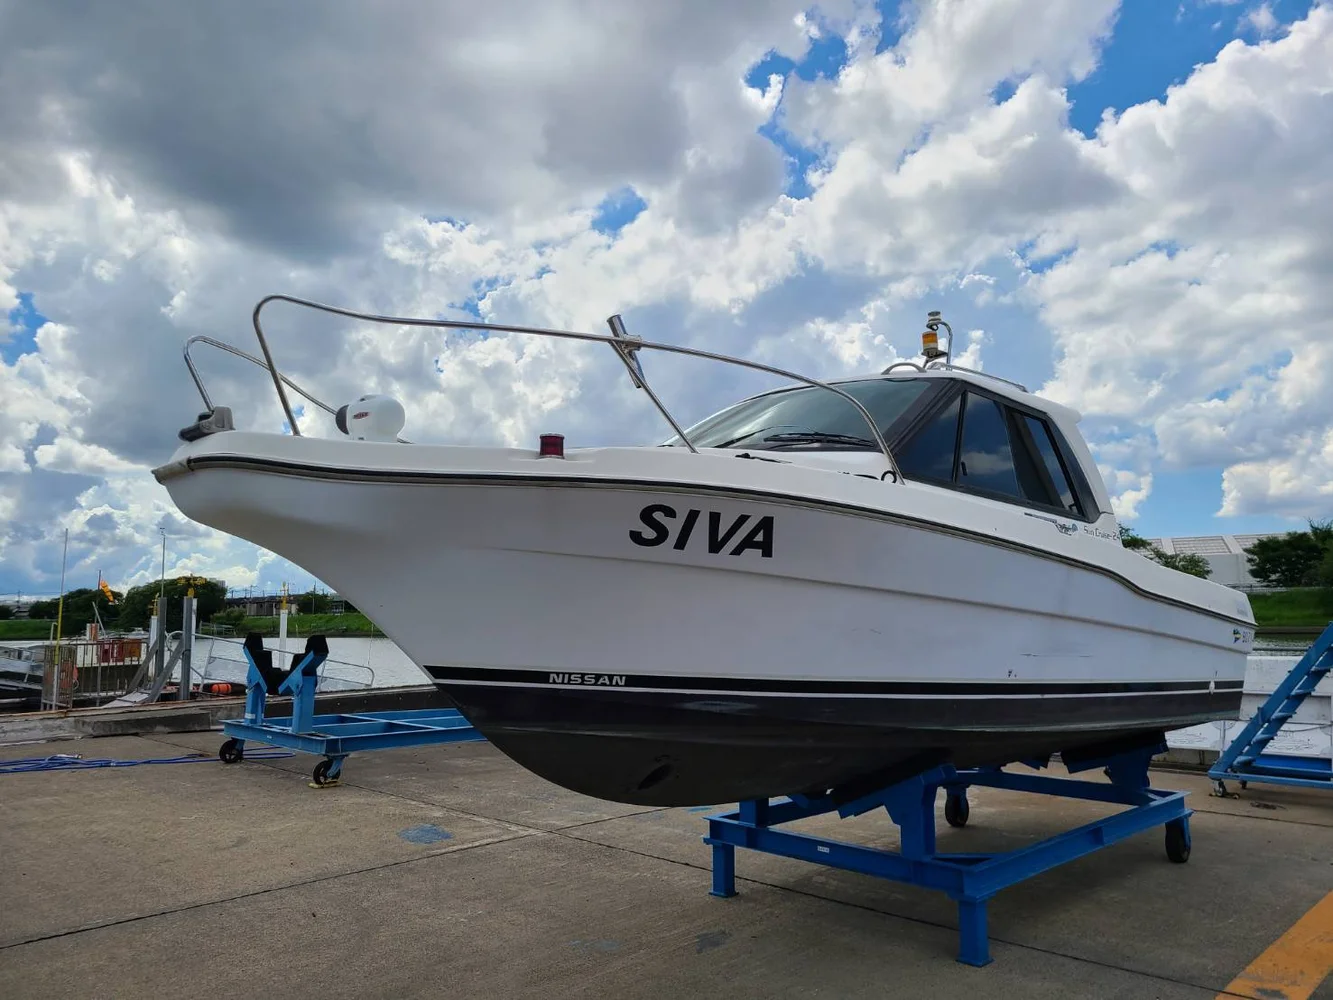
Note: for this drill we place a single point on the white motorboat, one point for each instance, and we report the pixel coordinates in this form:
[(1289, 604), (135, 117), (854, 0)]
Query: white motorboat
[(821, 585)]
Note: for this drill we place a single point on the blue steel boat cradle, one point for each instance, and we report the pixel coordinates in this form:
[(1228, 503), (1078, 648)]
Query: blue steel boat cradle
[(334, 736), (970, 879), (1244, 759)]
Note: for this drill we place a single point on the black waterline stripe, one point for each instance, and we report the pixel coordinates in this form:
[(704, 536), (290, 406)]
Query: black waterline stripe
[(796, 686), (647, 485)]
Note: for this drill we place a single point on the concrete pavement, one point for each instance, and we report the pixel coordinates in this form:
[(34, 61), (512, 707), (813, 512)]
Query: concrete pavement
[(449, 870)]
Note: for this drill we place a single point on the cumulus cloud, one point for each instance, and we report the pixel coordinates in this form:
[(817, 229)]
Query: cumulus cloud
[(952, 54), (163, 169), (310, 126), (69, 454), (1200, 302), (1127, 490), (1302, 477), (1262, 19)]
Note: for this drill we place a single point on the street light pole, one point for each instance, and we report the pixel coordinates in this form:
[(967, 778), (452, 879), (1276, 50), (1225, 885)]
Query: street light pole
[(162, 608)]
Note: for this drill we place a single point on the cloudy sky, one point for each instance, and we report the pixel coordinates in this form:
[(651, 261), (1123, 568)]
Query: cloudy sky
[(1126, 206)]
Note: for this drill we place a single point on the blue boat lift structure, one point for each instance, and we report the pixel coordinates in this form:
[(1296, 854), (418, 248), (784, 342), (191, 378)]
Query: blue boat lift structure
[(1246, 758), (970, 879), (334, 737)]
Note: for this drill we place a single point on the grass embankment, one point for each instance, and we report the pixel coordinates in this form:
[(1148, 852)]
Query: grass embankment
[(1306, 609), (350, 624), (25, 628), (1310, 608)]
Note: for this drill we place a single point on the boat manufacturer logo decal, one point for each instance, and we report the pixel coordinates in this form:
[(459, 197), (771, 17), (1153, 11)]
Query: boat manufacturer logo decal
[(1095, 532), (717, 536), (711, 688), (1065, 529), (588, 680), (1241, 635)]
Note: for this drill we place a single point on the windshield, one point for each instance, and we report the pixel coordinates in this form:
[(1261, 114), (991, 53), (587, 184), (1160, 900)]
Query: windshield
[(808, 417)]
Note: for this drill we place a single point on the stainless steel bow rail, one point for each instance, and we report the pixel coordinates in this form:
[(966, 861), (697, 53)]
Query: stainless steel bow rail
[(624, 344)]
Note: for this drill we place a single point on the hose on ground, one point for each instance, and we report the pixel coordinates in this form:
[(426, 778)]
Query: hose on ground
[(75, 762)]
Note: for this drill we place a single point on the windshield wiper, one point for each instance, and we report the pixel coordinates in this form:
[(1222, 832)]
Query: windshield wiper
[(732, 442), (821, 437)]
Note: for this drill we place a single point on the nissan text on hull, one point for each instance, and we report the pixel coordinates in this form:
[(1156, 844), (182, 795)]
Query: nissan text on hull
[(817, 587)]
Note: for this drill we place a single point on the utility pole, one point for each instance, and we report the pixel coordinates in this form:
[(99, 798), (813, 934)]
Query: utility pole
[(162, 608), (57, 674)]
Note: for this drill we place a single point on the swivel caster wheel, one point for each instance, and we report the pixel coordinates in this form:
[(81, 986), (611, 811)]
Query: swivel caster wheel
[(1220, 790), (1178, 841), (956, 810), (325, 773), (231, 752)]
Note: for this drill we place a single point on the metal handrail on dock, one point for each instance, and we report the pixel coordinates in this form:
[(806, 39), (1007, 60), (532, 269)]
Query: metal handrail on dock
[(328, 670)]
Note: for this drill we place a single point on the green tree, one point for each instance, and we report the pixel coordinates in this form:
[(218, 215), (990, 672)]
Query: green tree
[(1131, 539), (1187, 562), (78, 610), (6, 612), (231, 616), (137, 606), (1322, 533), (43, 610), (1290, 560), (1325, 574), (312, 603)]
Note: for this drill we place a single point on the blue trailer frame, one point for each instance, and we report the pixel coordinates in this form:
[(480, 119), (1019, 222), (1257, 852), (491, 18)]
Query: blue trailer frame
[(970, 879), (1244, 759), (332, 736)]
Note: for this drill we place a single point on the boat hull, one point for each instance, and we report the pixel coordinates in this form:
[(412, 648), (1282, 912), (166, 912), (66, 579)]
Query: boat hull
[(670, 748), (691, 643)]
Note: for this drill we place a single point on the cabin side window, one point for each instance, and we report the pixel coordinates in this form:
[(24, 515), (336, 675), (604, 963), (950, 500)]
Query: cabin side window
[(1047, 482), (981, 445), (930, 454), (986, 460)]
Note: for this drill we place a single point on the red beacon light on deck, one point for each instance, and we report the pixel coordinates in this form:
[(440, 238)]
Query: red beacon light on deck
[(552, 446)]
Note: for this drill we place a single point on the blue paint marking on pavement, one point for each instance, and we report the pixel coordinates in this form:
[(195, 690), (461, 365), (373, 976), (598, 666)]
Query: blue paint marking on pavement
[(426, 833), (709, 940)]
